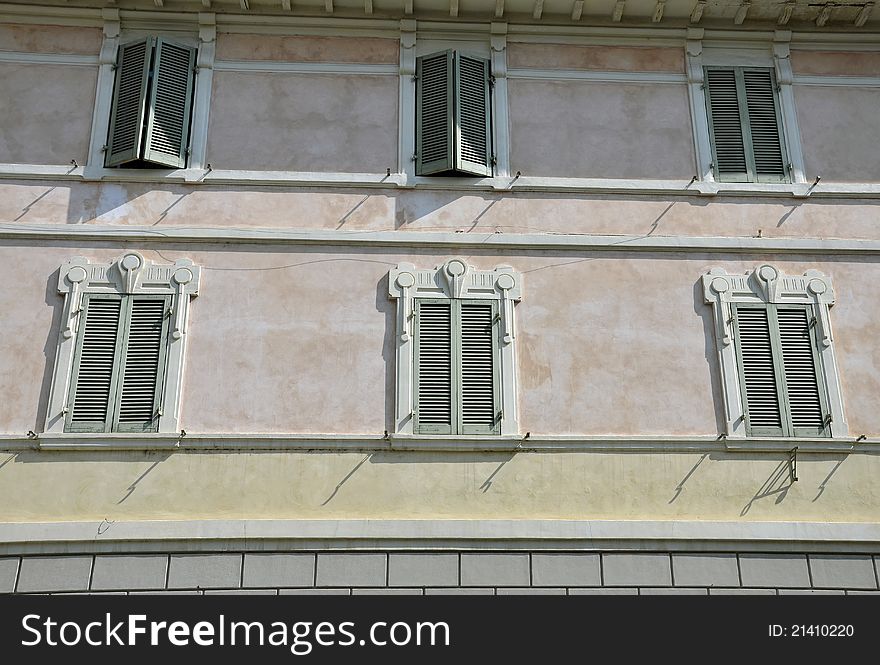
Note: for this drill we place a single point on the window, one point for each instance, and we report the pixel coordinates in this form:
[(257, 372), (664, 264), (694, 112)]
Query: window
[(453, 115), (745, 125), (152, 101), (455, 351), (120, 352), (776, 351)]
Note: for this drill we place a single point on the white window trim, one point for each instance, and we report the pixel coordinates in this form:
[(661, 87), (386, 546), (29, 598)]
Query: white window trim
[(776, 55), (767, 284), (497, 41), (131, 274), (454, 279), (198, 137)]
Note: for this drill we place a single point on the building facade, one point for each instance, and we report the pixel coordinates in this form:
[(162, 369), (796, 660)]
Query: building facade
[(411, 297)]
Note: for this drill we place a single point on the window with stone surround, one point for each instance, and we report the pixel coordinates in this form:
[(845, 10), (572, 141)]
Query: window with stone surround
[(120, 350), (775, 347), (456, 368)]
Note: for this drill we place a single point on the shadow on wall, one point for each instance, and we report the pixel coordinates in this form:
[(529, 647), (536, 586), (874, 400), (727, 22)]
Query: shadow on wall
[(56, 302), (387, 307), (710, 352)]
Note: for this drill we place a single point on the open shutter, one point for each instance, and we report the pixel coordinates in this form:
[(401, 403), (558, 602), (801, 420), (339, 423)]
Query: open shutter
[(473, 128), (93, 384), (764, 125), (143, 364), (479, 397), (434, 113), (801, 363), (758, 372), (170, 103), (726, 126), (129, 102), (433, 370)]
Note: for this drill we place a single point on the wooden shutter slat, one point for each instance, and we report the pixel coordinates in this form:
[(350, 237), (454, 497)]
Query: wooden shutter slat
[(726, 124), (129, 102), (764, 124), (434, 113), (170, 103), (473, 126), (142, 366), (801, 380), (434, 367), (758, 370), (94, 371), (478, 368)]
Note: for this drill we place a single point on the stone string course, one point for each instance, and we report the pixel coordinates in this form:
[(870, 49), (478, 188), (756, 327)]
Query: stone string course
[(430, 573)]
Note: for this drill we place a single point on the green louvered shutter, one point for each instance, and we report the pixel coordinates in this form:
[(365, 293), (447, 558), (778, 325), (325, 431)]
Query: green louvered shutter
[(142, 369), (434, 113), (129, 102), (170, 104), (479, 368), (804, 396), (473, 129), (726, 126), (433, 367), (759, 378), (93, 384), (764, 125)]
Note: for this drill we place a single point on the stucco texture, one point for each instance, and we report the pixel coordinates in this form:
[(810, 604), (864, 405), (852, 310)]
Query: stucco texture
[(600, 130), (301, 48), (300, 340), (599, 58), (840, 130), (46, 113), (296, 122), (835, 63), (168, 205), (49, 39)]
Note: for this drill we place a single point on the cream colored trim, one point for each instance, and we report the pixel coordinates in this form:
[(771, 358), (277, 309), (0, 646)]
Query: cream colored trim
[(22, 58), (478, 534), (834, 81), (522, 183), (104, 89), (306, 67), (439, 240), (597, 76), (195, 442), (788, 111)]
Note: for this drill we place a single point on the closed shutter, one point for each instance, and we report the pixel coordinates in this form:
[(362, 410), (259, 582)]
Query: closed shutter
[(764, 125), (94, 377), (799, 358), (170, 102), (758, 375), (433, 357), (143, 364), (129, 102), (726, 125), (479, 399), (472, 117), (434, 113)]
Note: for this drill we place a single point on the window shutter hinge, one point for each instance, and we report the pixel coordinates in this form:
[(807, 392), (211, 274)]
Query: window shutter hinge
[(188, 151), (415, 78), (114, 67), (494, 161), (812, 323), (415, 158), (828, 420), (499, 415), (104, 148), (491, 81)]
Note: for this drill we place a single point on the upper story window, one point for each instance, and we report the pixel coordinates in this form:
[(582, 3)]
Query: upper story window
[(776, 351), (152, 103), (120, 352), (745, 125), (453, 115), (455, 352)]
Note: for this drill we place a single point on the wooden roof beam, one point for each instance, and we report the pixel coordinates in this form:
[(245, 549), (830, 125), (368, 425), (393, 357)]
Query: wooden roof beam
[(617, 13), (658, 11), (741, 13), (697, 12), (863, 15), (577, 10)]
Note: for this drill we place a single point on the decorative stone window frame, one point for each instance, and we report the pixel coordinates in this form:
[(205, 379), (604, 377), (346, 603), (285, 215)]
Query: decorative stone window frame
[(774, 55), (439, 37), (130, 274), (200, 33), (767, 284), (454, 279)]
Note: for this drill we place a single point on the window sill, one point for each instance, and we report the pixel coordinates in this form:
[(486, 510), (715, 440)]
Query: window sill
[(520, 183), (432, 443)]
